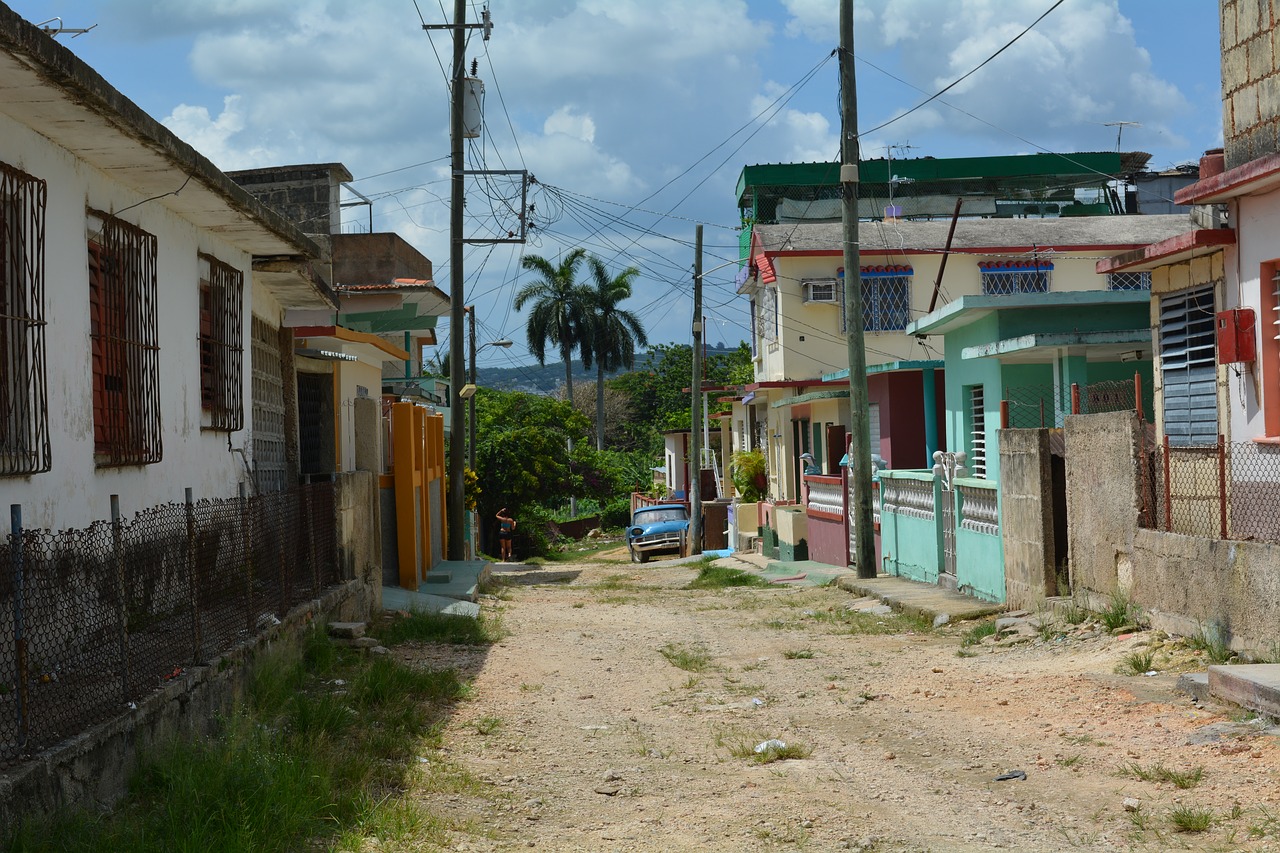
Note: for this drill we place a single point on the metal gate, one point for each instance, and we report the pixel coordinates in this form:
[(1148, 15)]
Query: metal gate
[(948, 467)]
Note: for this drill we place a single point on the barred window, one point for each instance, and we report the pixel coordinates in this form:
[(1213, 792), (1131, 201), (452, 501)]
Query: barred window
[(1006, 278), (221, 344), (886, 298), (1129, 280), (124, 341), (24, 411), (770, 317), (269, 462)]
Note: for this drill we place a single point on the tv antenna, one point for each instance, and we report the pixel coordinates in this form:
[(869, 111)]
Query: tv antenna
[(48, 29), (1120, 126)]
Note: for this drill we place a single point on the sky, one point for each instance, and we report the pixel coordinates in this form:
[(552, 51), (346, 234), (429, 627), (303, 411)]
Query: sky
[(636, 117)]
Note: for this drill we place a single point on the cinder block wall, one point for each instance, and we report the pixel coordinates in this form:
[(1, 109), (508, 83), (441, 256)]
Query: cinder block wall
[(1250, 79), (1026, 526), (1102, 500)]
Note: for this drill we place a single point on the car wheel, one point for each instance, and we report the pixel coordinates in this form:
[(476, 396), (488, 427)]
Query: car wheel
[(644, 557), (635, 555)]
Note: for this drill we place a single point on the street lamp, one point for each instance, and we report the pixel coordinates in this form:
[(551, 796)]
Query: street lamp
[(471, 375)]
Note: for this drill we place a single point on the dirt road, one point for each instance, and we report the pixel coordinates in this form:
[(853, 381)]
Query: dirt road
[(621, 714)]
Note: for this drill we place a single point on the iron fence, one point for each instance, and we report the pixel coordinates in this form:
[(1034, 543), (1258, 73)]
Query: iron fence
[(1227, 490), (1041, 406), (94, 619)]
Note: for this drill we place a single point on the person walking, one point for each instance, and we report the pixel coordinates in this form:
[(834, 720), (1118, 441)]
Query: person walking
[(506, 530)]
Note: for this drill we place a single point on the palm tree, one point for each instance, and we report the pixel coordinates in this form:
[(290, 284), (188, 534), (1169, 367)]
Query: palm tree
[(558, 309), (612, 333)]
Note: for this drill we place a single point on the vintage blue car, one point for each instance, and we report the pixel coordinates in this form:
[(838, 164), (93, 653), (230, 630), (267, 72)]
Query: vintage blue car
[(661, 527)]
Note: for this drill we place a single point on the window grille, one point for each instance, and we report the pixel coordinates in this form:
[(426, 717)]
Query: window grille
[(24, 410), (1129, 280), (221, 346), (978, 432), (1001, 278), (124, 340), (886, 298), (268, 408), (1188, 367)]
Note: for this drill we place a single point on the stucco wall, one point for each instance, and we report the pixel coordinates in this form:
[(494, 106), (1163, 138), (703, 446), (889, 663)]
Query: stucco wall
[(74, 492), (1184, 584), (1026, 516)]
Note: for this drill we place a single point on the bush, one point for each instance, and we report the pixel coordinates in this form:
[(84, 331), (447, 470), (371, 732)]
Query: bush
[(750, 470), (616, 512)]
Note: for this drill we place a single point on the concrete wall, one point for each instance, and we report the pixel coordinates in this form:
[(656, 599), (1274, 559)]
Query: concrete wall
[(1026, 516), (1184, 584), (90, 771), (1250, 80), (357, 502), (793, 533)]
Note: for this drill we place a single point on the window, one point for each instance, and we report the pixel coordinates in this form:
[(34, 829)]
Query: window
[(977, 432), (820, 290), (886, 298), (221, 348), (1188, 367), (1129, 280), (24, 412), (269, 457), (1004, 278), (123, 338)]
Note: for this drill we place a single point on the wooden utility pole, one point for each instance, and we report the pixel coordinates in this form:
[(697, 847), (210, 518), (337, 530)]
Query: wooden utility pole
[(864, 555), (456, 500), (695, 421)]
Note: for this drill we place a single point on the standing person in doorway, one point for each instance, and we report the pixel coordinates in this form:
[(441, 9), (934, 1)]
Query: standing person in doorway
[(506, 529)]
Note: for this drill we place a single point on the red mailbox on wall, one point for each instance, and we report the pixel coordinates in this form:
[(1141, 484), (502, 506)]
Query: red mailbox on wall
[(1236, 337)]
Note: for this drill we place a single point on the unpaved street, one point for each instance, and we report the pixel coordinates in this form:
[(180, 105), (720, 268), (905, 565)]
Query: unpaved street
[(587, 735)]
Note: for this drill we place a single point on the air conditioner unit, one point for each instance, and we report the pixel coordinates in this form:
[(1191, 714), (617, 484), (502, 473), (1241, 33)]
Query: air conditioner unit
[(821, 290)]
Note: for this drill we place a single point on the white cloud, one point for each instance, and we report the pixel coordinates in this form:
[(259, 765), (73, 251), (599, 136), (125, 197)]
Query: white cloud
[(569, 123), (217, 138)]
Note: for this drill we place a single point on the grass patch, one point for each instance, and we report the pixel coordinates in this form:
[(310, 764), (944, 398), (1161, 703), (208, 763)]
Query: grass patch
[(1074, 614), (721, 577), (487, 725), (858, 622), (1137, 663), (978, 633), (1189, 819), (689, 658), (1183, 779), (798, 654), (617, 582), (1070, 760), (1213, 647), (316, 755), (1120, 611), (776, 750), (453, 629)]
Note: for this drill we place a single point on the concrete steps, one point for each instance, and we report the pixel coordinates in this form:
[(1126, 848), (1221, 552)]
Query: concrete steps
[(1255, 687), (453, 586)]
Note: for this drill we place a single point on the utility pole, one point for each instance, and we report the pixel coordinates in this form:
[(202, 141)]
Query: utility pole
[(695, 432), (864, 555), (456, 501)]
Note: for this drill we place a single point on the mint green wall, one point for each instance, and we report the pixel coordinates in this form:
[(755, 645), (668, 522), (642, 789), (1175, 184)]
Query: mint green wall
[(962, 373), (1017, 322), (910, 547), (980, 564)]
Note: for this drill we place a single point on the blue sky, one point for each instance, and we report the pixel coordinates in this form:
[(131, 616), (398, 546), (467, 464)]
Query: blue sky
[(636, 116)]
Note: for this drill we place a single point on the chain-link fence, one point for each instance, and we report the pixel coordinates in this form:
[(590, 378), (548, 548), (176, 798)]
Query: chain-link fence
[(1046, 406), (93, 619), (1221, 491)]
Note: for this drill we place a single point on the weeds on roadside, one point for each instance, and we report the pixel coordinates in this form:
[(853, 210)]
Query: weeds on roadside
[(1215, 650), (978, 633), (721, 577), (1183, 779), (798, 654), (486, 725), (689, 658), (1120, 611), (1137, 663), (316, 755), (1189, 819), (745, 748), (1073, 613), (454, 629), (1070, 760)]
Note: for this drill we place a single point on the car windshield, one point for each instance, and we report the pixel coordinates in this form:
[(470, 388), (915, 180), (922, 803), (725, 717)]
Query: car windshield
[(652, 516)]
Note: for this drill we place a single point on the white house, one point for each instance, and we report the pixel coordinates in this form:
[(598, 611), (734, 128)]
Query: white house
[(142, 294)]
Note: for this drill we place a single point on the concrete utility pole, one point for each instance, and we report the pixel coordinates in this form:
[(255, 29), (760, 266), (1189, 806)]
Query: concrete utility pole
[(695, 432), (471, 378), (456, 502), (864, 556)]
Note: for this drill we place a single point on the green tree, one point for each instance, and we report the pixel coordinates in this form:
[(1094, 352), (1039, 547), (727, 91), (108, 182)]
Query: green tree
[(613, 333), (558, 314)]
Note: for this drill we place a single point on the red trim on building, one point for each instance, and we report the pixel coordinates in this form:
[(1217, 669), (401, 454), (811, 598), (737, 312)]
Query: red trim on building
[(1201, 238), (1255, 176)]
